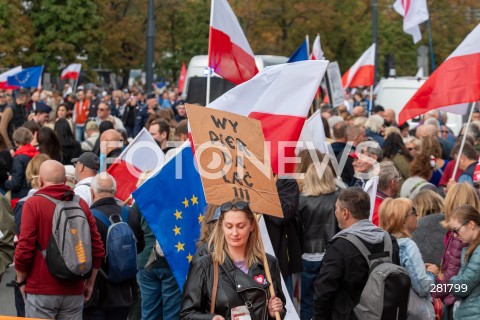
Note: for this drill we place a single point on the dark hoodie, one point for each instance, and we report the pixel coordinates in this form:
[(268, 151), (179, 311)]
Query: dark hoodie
[(19, 185)]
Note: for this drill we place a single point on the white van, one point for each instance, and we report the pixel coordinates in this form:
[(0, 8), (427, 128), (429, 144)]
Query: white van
[(394, 93), (196, 75)]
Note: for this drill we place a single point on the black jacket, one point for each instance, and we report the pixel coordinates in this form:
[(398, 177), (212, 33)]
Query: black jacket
[(342, 277), (319, 222), (107, 294), (19, 185), (285, 232), (347, 172), (233, 283)]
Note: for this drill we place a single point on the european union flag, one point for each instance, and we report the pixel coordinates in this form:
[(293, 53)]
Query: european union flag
[(173, 203), (300, 54), (27, 78)]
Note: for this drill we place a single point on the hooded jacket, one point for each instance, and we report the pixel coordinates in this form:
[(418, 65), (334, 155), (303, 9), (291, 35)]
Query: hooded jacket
[(235, 288), (344, 271), (18, 185)]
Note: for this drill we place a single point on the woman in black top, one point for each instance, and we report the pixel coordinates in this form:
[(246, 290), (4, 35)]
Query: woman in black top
[(71, 148)]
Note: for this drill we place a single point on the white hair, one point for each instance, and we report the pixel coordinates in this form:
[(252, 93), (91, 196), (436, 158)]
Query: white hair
[(104, 183), (433, 122), (374, 123)]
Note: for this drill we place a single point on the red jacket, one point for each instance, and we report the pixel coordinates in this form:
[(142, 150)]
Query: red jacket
[(378, 201), (36, 226)]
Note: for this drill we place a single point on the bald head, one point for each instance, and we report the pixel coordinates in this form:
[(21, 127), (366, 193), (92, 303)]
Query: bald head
[(358, 112), (389, 116), (51, 173), (110, 140)]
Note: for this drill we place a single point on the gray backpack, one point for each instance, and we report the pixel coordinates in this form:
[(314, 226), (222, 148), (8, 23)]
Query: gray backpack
[(69, 252), (386, 293)]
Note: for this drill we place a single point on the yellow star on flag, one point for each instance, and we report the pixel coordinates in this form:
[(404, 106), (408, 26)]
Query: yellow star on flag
[(176, 230), (194, 199), (180, 246), (189, 257), (185, 203), (178, 214), (200, 218)]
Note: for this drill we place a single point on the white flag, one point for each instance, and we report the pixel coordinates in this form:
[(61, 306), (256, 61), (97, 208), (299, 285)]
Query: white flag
[(317, 52), (414, 12)]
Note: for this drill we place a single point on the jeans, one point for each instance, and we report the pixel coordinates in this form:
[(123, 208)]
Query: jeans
[(161, 296), (79, 133), (309, 274), (100, 313)]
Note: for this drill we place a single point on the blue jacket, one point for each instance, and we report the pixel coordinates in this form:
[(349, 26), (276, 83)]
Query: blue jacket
[(469, 277)]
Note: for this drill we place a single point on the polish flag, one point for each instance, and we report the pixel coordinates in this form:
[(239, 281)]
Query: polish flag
[(229, 53), (317, 52), (414, 13), (71, 72), (141, 156), (361, 73), (455, 82), (181, 79), (4, 78), (268, 97)]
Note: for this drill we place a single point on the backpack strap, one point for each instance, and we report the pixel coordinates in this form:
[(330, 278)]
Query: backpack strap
[(387, 244), (358, 244), (47, 197), (125, 214), (100, 216)]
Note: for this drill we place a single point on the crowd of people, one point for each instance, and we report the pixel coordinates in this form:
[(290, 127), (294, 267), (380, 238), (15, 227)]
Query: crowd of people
[(51, 144)]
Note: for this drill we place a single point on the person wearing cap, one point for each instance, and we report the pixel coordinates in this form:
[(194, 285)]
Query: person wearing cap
[(42, 111), (243, 287), (365, 159), (86, 167), (151, 107)]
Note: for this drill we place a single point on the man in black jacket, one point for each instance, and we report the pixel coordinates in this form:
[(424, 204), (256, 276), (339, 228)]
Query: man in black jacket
[(109, 300), (344, 270)]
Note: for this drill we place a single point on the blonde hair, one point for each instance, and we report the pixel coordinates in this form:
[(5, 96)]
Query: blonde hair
[(428, 202), (33, 169), (390, 130), (253, 252), (460, 194), (316, 184), (392, 214), (207, 225)]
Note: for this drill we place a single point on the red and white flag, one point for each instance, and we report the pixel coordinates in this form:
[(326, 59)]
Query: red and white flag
[(414, 12), (317, 52), (361, 73), (71, 72), (268, 97), (229, 53), (4, 78), (455, 82), (142, 155), (182, 78)]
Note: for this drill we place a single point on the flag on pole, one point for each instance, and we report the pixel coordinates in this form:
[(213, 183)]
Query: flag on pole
[(4, 78), (313, 134), (300, 54), (268, 97), (317, 52), (229, 53), (414, 12), (27, 78), (371, 188), (173, 207), (71, 72), (455, 82), (182, 78), (142, 155), (361, 73)]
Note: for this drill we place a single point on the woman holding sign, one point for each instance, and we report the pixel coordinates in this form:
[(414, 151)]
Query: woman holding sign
[(241, 290)]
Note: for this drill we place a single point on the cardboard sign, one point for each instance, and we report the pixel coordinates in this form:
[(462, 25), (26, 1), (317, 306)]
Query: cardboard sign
[(232, 160)]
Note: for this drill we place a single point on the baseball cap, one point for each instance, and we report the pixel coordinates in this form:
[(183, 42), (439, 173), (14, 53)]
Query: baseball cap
[(89, 160)]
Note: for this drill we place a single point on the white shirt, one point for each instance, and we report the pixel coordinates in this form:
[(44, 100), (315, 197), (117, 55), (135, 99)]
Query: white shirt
[(82, 189)]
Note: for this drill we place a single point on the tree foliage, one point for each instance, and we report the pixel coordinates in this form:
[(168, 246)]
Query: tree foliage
[(112, 32)]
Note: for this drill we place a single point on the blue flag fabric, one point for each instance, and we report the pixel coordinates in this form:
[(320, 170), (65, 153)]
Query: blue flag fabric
[(173, 207), (27, 78), (300, 54)]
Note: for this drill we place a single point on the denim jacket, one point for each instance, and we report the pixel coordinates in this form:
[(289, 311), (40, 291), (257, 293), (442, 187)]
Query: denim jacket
[(411, 260)]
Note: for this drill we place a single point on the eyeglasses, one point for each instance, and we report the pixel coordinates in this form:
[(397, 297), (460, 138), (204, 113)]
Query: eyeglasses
[(413, 212), (100, 109), (457, 230), (399, 177), (446, 132), (240, 205)]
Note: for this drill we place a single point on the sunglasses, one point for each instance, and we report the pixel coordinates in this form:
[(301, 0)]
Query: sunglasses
[(240, 205), (457, 230)]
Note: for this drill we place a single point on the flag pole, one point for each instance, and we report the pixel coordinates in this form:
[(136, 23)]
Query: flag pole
[(370, 105), (432, 56), (464, 138), (266, 266), (207, 98), (207, 101), (307, 39), (75, 84)]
